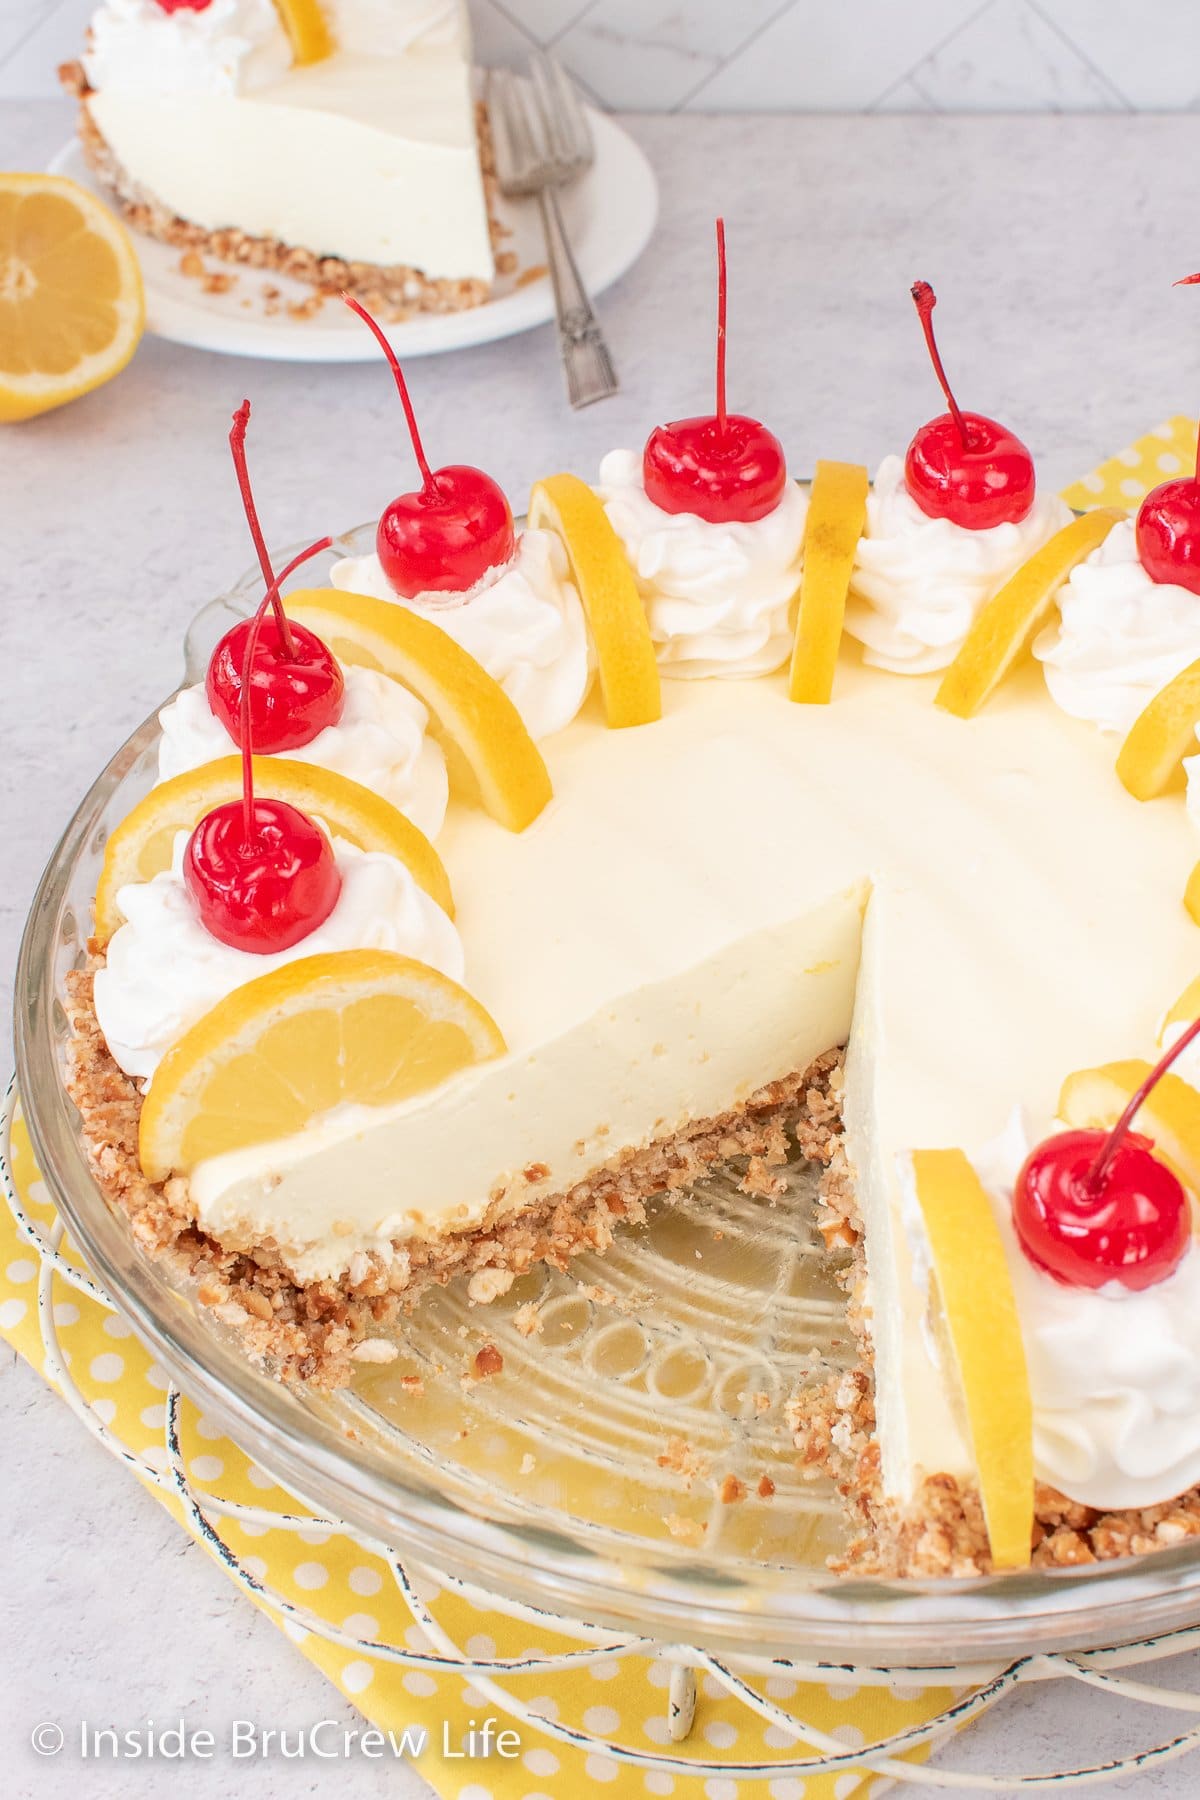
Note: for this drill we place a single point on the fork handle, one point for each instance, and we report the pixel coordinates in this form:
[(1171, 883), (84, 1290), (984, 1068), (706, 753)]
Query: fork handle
[(586, 362)]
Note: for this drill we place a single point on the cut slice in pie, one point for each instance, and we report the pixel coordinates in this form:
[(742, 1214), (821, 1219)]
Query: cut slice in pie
[(328, 140)]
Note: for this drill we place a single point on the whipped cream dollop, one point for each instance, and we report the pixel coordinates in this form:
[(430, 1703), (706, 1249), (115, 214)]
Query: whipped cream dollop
[(1119, 637), (380, 741), (524, 622), (1114, 1373), (229, 47), (717, 596), (164, 970), (919, 582)]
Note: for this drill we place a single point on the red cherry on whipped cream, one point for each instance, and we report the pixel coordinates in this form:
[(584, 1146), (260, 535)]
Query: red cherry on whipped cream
[(1091, 1207), (296, 684), (458, 524), (264, 888), (262, 873), (963, 466), (724, 467), (1168, 523), (174, 6)]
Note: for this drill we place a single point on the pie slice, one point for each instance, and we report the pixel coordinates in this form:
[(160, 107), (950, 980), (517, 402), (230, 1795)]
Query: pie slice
[(334, 143)]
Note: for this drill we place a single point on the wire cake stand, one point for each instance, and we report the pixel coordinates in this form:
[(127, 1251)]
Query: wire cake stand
[(628, 1482)]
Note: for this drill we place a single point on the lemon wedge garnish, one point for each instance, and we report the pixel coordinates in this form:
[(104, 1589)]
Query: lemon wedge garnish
[(837, 511), (1151, 758), (307, 29), (620, 631), (71, 306), (488, 748), (352, 1027), (1006, 623), (980, 1312), (1094, 1099), (143, 843)]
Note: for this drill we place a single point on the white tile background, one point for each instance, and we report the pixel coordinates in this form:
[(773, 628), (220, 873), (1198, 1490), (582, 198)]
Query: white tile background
[(791, 55)]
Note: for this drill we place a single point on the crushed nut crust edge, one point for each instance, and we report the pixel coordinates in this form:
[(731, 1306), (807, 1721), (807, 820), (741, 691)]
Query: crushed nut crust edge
[(316, 1332)]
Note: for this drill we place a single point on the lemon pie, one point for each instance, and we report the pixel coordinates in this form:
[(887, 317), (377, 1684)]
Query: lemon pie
[(337, 141), (932, 928)]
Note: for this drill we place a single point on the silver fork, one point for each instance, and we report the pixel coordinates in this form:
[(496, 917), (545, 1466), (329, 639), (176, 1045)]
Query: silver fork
[(542, 139)]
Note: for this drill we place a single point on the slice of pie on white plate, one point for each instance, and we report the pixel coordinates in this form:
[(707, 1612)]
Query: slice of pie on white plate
[(335, 141)]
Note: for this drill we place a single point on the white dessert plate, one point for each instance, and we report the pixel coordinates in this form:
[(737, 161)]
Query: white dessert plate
[(610, 213)]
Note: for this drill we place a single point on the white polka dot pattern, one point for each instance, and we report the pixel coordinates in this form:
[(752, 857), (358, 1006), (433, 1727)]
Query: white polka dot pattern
[(1170, 449)]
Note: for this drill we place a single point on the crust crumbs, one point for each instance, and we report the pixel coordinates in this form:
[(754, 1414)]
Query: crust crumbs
[(488, 1362), (394, 292), (687, 1531), (682, 1459)]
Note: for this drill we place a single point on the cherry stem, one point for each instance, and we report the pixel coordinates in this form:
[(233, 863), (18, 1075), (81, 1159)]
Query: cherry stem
[(1108, 1148), (722, 304), (245, 728), (925, 300), (1190, 281), (237, 445), (428, 478)]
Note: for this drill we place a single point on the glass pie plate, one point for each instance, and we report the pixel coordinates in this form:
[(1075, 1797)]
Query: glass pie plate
[(587, 1477)]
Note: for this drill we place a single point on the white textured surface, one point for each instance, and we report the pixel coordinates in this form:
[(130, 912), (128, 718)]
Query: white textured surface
[(791, 55), (120, 519)]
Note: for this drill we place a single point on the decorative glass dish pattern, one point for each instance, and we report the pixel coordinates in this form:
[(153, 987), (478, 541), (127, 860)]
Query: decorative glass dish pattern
[(587, 1476)]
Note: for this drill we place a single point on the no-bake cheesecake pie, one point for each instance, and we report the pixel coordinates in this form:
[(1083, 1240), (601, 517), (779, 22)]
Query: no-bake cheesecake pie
[(336, 141), (921, 924)]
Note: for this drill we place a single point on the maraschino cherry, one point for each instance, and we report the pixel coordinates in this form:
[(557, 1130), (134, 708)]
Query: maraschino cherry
[(963, 466), (262, 873), (296, 684), (174, 6), (1091, 1207), (445, 537), (1168, 523), (724, 467)]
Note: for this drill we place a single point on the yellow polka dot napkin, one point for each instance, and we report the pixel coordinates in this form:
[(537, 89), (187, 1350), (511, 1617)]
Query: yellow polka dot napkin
[(1127, 477), (327, 1575)]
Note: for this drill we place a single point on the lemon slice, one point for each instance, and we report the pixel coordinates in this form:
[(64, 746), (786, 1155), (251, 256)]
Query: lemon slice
[(71, 306), (353, 1027), (484, 736), (1191, 894), (837, 510), (1006, 623), (620, 632), (307, 28), (143, 843), (1096, 1098), (980, 1312), (1151, 758)]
